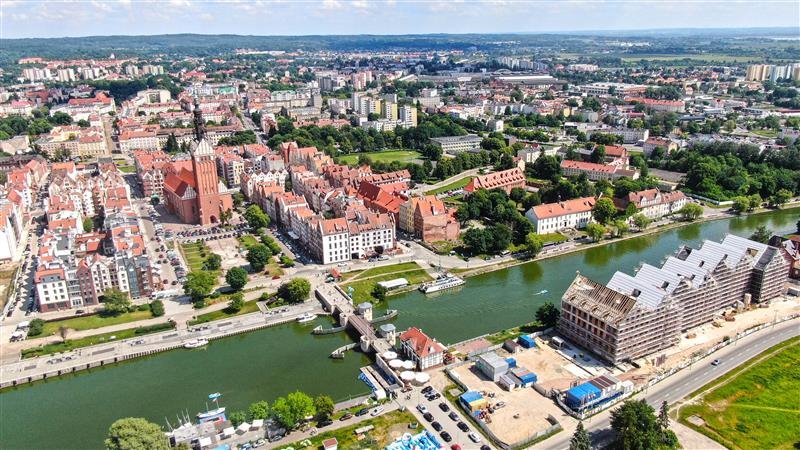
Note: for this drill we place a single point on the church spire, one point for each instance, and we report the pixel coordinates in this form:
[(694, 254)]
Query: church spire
[(199, 123)]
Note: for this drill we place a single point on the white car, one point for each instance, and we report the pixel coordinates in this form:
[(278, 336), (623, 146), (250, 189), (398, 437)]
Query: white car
[(422, 409), (473, 437), (376, 411)]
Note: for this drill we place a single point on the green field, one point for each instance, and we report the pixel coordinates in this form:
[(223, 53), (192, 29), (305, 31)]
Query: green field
[(452, 186), (249, 307), (765, 133), (248, 240), (363, 282), (93, 321), (195, 254), (72, 344), (756, 406), (552, 237), (386, 425), (403, 156)]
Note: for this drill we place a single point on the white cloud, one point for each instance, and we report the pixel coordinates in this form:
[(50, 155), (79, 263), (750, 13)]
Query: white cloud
[(331, 4)]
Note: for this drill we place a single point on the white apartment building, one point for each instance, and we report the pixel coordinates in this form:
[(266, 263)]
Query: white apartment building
[(653, 203), (552, 217), (454, 145)]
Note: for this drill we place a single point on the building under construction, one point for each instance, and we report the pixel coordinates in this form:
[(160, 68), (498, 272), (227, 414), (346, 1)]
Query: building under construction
[(634, 316)]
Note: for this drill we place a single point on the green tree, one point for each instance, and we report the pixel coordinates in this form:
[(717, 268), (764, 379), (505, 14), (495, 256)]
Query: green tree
[(236, 303), (604, 210), (258, 256), (762, 234), (301, 405), (212, 262), (598, 154), (134, 433), (295, 290), (88, 224), (621, 227), (548, 314), (60, 118), (282, 412), (780, 197), (198, 285), (238, 199), (225, 216), (324, 406), (115, 301), (635, 426), (256, 217), (595, 231), (286, 261), (258, 410), (171, 146), (663, 416), (580, 439), (237, 418), (691, 211), (379, 292), (36, 327), (157, 308), (236, 278), (630, 210), (641, 221), (741, 204), (533, 243)]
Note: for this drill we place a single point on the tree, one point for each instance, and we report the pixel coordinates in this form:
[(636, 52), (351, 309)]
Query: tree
[(88, 224), (533, 243), (295, 290), (598, 154), (283, 413), (379, 292), (286, 261), (258, 410), (635, 426), (115, 301), (691, 211), (236, 278), (134, 433), (604, 210), (595, 231), (157, 308), (762, 234), (256, 217), (237, 302), (548, 314), (621, 227), (580, 440), (237, 418), (171, 145), (323, 404), (198, 285), (741, 204), (36, 327), (225, 216), (641, 221), (212, 262), (258, 256), (780, 197), (238, 199), (663, 416), (300, 404)]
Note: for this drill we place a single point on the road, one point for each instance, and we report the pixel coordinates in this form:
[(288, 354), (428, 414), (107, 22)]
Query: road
[(685, 382)]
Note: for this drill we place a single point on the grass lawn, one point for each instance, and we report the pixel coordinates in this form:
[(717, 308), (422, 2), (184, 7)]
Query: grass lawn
[(249, 307), (248, 240), (552, 237), (765, 133), (195, 254), (93, 321), (387, 426), (363, 282), (72, 344), (6, 276), (755, 406), (403, 156), (513, 333), (450, 187)]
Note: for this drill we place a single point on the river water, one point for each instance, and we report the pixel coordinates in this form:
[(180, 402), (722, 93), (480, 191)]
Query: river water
[(74, 412)]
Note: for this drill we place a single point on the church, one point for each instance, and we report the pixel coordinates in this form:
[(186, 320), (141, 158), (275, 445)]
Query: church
[(195, 195)]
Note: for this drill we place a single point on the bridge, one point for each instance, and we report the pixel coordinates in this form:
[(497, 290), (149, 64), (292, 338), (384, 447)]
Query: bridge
[(338, 304)]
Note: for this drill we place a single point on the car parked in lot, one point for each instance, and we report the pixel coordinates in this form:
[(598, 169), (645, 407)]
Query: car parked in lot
[(715, 362), (436, 426), (422, 408), (473, 437), (446, 436), (462, 426), (443, 406), (428, 417), (361, 412), (453, 416)]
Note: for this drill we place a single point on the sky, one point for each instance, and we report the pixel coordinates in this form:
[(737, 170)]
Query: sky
[(58, 18)]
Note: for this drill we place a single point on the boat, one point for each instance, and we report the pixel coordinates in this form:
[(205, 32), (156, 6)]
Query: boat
[(213, 415), (543, 291), (446, 281), (195, 343), (306, 317)]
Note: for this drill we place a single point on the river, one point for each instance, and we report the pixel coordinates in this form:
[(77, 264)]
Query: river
[(74, 412)]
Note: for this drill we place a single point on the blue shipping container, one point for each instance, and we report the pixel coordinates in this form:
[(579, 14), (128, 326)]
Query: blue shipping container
[(527, 341), (511, 363), (582, 394)]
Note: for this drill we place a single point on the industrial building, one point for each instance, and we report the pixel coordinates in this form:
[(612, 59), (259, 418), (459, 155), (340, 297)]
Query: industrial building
[(634, 316)]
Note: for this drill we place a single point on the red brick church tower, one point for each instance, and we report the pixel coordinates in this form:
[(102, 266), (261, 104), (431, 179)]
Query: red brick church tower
[(204, 166)]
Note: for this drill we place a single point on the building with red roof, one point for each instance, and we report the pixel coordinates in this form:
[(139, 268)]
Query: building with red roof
[(505, 180), (425, 351), (552, 217)]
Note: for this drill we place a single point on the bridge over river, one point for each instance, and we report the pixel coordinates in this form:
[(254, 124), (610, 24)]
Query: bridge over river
[(339, 305)]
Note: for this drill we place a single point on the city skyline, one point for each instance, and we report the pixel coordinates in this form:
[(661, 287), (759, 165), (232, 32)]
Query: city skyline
[(40, 19)]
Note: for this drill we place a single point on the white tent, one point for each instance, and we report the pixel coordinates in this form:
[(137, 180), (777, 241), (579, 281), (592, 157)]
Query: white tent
[(258, 423), (422, 378), (395, 364), (243, 428), (409, 365), (389, 355), (227, 432), (204, 442), (407, 375)]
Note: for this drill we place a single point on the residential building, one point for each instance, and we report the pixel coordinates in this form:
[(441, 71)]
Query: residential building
[(653, 143), (505, 180), (552, 217), (616, 89), (426, 352), (635, 316), (453, 145), (653, 203), (429, 219), (596, 172)]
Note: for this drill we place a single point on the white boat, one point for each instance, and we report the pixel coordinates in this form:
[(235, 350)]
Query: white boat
[(446, 281), (195, 343), (306, 317)]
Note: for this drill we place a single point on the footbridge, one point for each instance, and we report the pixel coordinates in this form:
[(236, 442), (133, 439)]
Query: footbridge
[(357, 318)]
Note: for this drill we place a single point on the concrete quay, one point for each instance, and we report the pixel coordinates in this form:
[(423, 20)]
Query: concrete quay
[(49, 366)]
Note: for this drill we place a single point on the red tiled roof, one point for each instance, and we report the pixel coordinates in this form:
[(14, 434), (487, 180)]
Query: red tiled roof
[(421, 343), (496, 180)]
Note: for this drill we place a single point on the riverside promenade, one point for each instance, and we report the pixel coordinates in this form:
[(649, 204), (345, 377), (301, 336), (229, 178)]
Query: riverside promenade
[(49, 366)]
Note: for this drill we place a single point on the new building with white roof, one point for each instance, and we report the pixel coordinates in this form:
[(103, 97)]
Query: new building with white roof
[(633, 316)]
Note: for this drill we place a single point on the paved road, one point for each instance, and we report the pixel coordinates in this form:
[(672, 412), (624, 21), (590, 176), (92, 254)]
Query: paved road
[(686, 381)]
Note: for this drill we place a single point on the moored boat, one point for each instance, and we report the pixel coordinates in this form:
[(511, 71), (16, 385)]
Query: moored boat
[(446, 281), (195, 343), (306, 317)]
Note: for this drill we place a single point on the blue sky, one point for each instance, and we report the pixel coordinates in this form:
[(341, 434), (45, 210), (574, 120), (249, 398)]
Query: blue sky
[(55, 18)]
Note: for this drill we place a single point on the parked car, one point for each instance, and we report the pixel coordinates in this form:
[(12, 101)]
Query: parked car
[(422, 408), (361, 412), (462, 426), (453, 416), (436, 426), (443, 406), (428, 417), (376, 411), (346, 416), (446, 436), (473, 437)]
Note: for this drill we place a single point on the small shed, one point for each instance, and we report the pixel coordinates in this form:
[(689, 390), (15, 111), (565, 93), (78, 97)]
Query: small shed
[(512, 363), (330, 444), (257, 424), (472, 401), (507, 382), (511, 346), (525, 377), (243, 428), (526, 341), (394, 284)]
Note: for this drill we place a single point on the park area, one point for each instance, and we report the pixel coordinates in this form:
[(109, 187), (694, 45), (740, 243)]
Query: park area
[(362, 282), (380, 432), (459, 184), (404, 156), (755, 406), (195, 254)]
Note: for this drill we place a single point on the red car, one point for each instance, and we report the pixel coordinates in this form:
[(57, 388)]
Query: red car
[(455, 447)]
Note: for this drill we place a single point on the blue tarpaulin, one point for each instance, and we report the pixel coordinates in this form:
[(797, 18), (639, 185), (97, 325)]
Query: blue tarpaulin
[(526, 341), (582, 394), (511, 363)]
